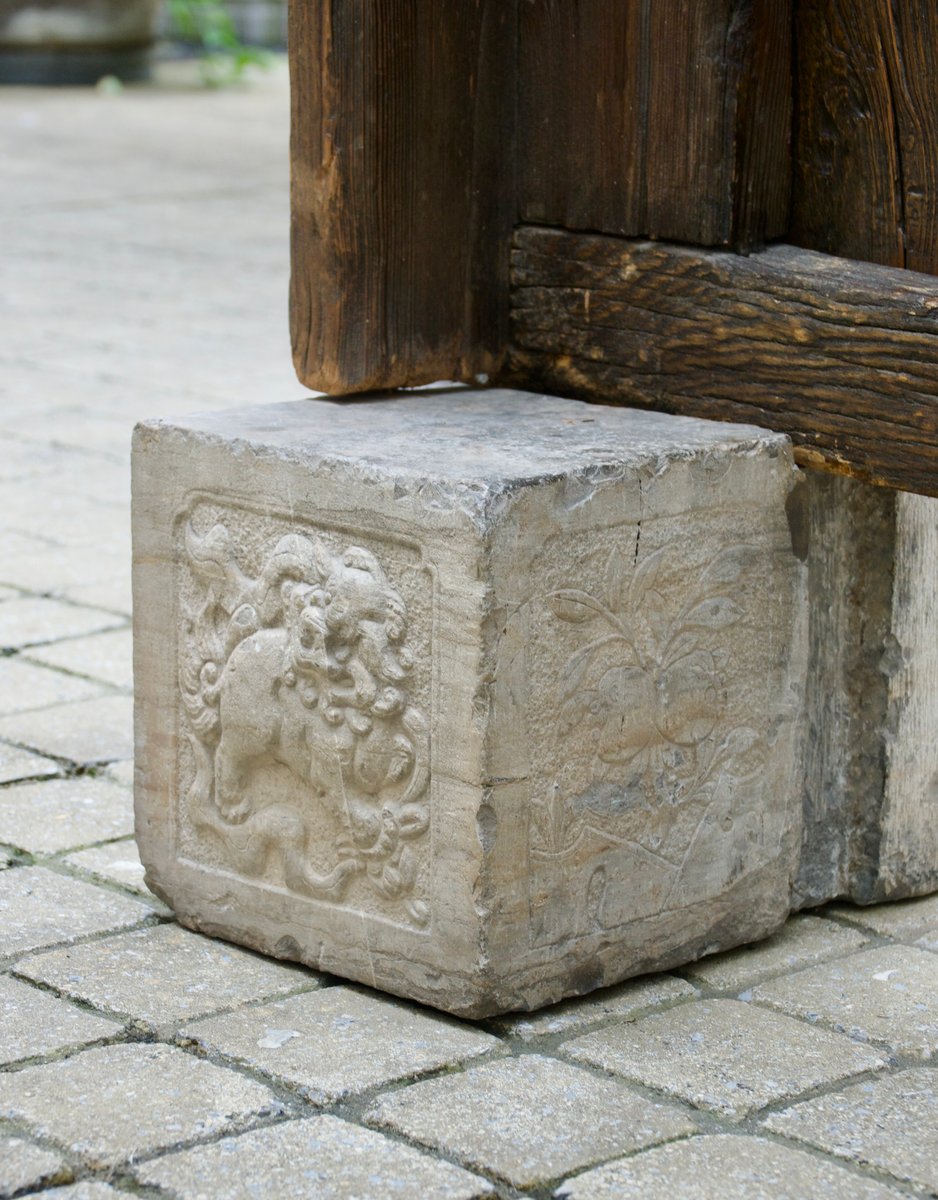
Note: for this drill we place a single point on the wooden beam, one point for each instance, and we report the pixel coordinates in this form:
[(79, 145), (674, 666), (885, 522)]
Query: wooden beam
[(403, 189), (841, 355), (657, 118)]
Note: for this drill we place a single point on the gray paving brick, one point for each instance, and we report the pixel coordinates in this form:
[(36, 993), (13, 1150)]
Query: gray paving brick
[(117, 862), (528, 1120), (626, 1001), (105, 656), (33, 1023), (88, 731), (39, 908), (23, 764), (723, 1055), (163, 975), (905, 919), (43, 818), (31, 620), (24, 1166), (724, 1167), (339, 1041), (886, 994), (890, 1123), (115, 1103), (803, 940), (321, 1157), (122, 772), (25, 686), (87, 1190)]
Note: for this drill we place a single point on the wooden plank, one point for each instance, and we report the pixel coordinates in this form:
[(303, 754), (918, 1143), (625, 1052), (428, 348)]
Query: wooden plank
[(841, 355), (866, 149), (403, 196), (660, 119)]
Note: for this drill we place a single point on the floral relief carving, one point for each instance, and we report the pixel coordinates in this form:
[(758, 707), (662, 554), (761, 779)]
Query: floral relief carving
[(647, 692), (304, 665)]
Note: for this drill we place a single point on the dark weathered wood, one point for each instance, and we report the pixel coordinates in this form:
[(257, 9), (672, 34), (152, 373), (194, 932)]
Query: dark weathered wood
[(403, 195), (841, 355), (866, 149), (657, 118)]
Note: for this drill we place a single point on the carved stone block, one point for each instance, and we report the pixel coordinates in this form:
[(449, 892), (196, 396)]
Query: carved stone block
[(481, 698)]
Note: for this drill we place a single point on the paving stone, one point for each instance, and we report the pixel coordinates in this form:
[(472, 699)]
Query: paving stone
[(890, 1123), (34, 619), (87, 1190), (163, 974), (117, 862), (115, 595), (907, 919), (801, 941), (89, 731), (105, 656), (25, 686), (33, 1023), (43, 818), (724, 1167), (339, 1041), (723, 1055), (578, 840), (885, 994), (628, 1000), (528, 1120), (39, 908), (23, 764), (116, 1103), (23, 1166), (122, 772), (322, 1157)]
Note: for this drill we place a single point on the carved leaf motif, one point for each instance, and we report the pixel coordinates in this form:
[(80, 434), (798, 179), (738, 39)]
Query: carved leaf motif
[(645, 577), (728, 565), (716, 612), (575, 606), (618, 580)]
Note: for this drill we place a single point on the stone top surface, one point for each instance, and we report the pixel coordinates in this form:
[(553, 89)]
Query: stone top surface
[(494, 436)]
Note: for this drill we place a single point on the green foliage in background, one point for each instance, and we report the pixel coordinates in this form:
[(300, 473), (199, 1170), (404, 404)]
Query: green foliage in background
[(208, 24)]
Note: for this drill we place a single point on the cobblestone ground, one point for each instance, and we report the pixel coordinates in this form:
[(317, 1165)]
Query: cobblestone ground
[(144, 272)]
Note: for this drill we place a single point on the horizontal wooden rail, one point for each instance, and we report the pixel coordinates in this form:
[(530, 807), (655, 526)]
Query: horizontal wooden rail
[(841, 355)]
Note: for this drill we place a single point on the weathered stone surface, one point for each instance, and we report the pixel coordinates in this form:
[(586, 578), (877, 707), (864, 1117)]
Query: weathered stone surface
[(34, 1023), (885, 995), (723, 1167), (888, 1123), (88, 1190), (24, 1166), (116, 1102), (528, 1120), (723, 1055), (802, 941), (625, 1002), (84, 732), (47, 817), (871, 763), (339, 1041), (321, 1157), (491, 700), (39, 908), (162, 975)]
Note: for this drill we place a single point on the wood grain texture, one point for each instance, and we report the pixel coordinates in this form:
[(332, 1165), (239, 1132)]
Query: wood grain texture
[(841, 355), (866, 144), (403, 194), (657, 118)]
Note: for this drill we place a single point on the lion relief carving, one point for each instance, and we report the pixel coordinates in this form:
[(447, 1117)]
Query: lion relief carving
[(306, 666)]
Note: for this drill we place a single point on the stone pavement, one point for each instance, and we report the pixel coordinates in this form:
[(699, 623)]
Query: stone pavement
[(144, 273)]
